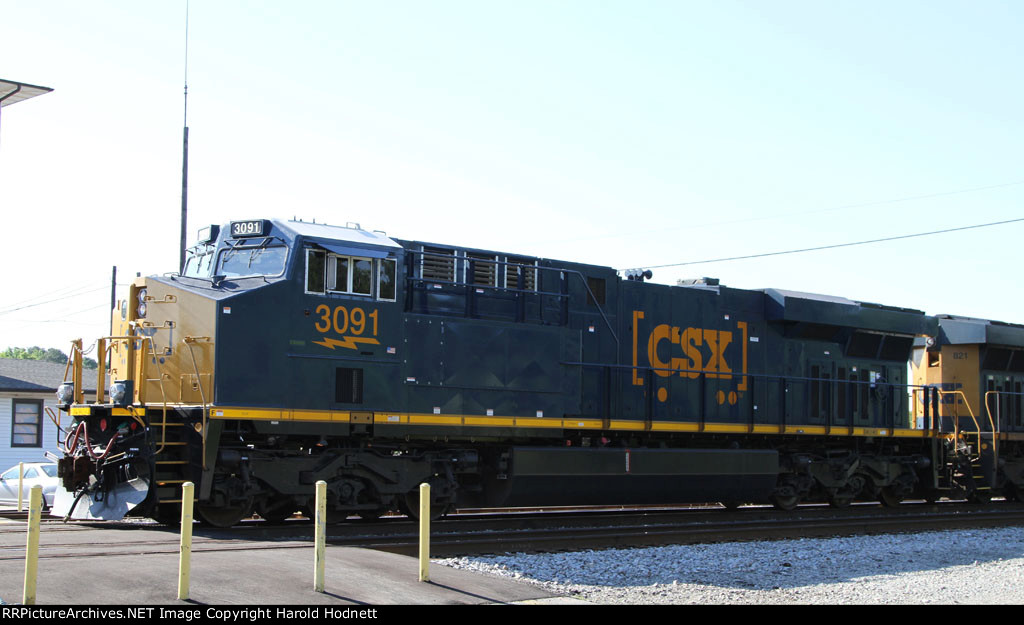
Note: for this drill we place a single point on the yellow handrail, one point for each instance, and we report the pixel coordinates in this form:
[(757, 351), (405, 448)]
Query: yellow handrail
[(995, 425), (188, 341)]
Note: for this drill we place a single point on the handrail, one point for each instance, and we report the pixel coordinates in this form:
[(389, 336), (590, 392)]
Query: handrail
[(163, 391), (995, 425), (956, 419), (500, 263), (704, 374), (188, 341)]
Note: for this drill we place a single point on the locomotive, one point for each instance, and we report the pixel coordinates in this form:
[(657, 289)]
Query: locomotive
[(287, 352)]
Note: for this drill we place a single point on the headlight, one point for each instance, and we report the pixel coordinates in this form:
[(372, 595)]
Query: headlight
[(66, 394), (119, 392), (142, 303)]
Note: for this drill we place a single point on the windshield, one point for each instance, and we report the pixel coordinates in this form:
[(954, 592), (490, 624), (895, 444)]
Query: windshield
[(199, 261), (249, 259)]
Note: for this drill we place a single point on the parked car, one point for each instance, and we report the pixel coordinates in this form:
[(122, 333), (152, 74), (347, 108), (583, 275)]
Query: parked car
[(36, 473)]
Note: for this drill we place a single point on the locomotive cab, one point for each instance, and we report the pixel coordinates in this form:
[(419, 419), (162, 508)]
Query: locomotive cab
[(182, 344)]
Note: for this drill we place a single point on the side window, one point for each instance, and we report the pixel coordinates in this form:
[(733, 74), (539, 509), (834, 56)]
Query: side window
[(27, 430), (362, 276), (316, 265), (386, 279), (332, 273), (350, 274)]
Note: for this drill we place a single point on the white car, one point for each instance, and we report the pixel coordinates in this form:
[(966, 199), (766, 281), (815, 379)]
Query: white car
[(36, 473)]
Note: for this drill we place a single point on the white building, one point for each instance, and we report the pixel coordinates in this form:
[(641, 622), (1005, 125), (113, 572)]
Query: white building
[(28, 394)]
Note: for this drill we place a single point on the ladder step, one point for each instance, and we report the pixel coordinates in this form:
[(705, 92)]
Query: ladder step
[(172, 461)]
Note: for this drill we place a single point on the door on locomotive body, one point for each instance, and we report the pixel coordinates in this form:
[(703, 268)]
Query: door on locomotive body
[(345, 355), (597, 343), (820, 391), (1015, 415), (733, 330), (998, 402), (643, 307)]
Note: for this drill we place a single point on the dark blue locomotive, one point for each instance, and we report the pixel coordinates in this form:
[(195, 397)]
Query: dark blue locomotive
[(289, 352)]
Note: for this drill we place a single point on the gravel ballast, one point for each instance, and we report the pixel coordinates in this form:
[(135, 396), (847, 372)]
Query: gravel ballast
[(980, 566)]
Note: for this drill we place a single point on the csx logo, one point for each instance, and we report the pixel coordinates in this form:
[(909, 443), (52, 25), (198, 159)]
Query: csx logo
[(689, 341), (690, 353)]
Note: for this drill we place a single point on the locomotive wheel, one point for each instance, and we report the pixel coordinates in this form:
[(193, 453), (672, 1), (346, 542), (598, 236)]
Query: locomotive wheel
[(979, 496), (890, 497), (276, 511), (371, 515), (410, 507), (785, 502), (1011, 492), (225, 516), (840, 499), (786, 495)]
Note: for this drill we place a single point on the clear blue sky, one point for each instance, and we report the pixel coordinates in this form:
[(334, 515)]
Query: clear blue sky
[(630, 134)]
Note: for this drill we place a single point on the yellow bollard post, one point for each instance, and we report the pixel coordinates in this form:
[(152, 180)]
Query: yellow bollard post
[(21, 483), (424, 532), (35, 508), (320, 536), (185, 554)]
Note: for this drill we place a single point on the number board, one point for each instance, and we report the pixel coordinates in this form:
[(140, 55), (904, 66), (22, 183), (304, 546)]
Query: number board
[(251, 228)]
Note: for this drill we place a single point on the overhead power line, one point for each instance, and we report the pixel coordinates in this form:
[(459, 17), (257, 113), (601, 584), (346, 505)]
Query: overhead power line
[(836, 245), (10, 310)]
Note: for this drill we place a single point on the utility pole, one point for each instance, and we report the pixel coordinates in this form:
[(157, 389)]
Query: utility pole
[(184, 160)]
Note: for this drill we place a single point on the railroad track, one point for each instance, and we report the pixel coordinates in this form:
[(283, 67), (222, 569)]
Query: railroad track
[(490, 532), (619, 530)]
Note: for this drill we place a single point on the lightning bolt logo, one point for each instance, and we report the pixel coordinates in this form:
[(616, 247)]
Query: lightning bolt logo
[(348, 342)]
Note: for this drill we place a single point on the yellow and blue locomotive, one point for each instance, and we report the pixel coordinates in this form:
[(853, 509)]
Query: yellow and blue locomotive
[(288, 352)]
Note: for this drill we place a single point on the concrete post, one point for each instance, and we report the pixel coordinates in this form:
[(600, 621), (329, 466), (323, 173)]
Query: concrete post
[(185, 558)]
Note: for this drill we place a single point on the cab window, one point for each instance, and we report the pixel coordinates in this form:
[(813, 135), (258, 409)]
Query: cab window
[(353, 275), (256, 260)]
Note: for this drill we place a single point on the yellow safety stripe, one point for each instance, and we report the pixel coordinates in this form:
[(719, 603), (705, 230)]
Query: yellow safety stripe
[(85, 411), (389, 418)]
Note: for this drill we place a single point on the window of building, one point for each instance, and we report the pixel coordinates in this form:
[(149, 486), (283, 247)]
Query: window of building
[(27, 416)]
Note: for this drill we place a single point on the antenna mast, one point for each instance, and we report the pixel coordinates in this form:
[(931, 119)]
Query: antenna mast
[(184, 158)]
